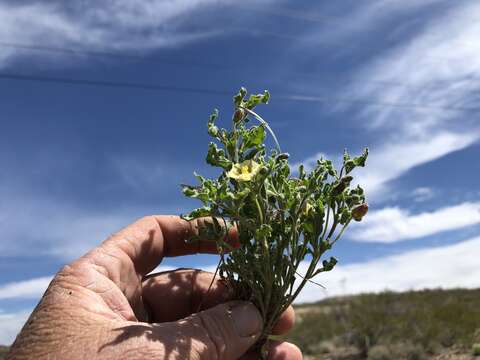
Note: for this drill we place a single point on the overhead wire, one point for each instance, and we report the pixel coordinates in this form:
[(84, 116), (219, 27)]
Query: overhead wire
[(199, 90), (290, 13), (182, 62), (110, 54), (111, 84)]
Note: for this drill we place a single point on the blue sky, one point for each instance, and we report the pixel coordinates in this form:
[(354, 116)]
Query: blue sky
[(79, 161)]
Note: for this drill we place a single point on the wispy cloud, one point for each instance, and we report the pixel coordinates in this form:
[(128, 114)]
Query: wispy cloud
[(435, 68), (50, 227), (415, 95), (362, 18), (442, 267), (391, 160), (12, 322), (388, 161), (10, 325), (27, 289), (395, 224), (117, 25), (35, 287), (422, 194), (416, 135)]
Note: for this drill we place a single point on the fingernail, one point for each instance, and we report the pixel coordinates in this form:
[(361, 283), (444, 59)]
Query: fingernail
[(246, 319)]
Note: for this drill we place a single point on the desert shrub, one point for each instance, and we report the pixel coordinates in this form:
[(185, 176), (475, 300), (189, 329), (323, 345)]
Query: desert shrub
[(399, 351), (313, 329), (476, 349), (3, 352), (427, 321), (379, 352)]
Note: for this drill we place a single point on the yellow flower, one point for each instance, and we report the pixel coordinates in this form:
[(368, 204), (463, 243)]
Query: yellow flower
[(307, 208), (244, 171)]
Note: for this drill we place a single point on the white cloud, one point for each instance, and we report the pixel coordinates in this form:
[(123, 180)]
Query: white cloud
[(10, 325), (38, 225), (389, 161), (422, 194), (122, 25), (394, 224), (365, 16), (406, 91), (436, 68), (35, 287), (27, 289), (453, 266)]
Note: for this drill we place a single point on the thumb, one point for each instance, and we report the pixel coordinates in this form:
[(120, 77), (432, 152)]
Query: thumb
[(225, 331)]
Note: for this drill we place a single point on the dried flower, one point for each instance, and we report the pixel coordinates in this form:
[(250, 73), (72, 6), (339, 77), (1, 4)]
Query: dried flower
[(359, 211)]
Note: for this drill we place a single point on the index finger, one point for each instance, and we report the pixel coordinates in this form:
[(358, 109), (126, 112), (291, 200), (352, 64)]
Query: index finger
[(147, 241)]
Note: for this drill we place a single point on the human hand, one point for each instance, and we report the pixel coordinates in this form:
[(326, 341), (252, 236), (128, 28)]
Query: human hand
[(98, 306)]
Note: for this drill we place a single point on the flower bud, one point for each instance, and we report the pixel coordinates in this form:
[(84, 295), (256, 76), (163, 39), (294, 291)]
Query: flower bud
[(239, 115), (282, 156), (213, 131), (342, 185), (359, 211), (263, 170)]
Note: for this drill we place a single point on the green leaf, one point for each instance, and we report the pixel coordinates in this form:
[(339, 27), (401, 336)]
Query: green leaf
[(251, 154), (266, 97), (255, 100), (360, 160), (189, 191), (308, 227), (216, 157), (254, 137), (213, 116), (346, 156), (301, 171), (263, 232), (238, 99), (212, 129), (197, 213), (329, 264), (346, 215), (356, 161), (349, 166), (341, 185)]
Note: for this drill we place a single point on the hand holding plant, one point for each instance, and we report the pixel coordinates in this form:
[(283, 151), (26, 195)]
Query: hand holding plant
[(282, 220)]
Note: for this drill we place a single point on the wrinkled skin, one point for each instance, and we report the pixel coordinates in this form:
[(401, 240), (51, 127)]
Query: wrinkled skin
[(104, 306)]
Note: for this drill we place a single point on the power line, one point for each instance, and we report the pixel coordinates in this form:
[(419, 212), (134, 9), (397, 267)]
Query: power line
[(309, 98), (111, 84), (207, 65), (179, 89), (110, 54)]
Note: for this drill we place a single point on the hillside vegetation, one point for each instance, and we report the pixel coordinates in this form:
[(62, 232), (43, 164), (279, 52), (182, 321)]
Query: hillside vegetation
[(430, 324), (3, 352)]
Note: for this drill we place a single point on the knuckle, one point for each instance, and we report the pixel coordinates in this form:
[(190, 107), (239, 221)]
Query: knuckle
[(68, 272), (148, 219)]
